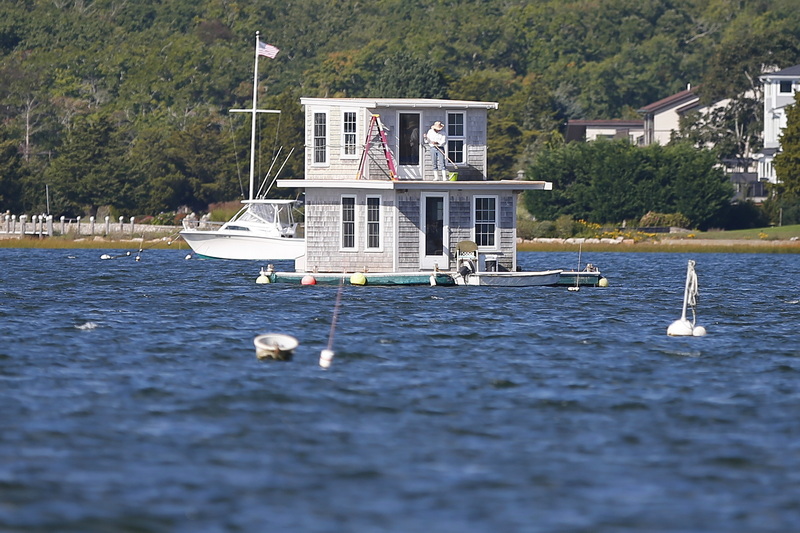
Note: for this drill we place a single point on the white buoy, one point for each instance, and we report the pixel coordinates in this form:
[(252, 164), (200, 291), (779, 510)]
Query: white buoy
[(573, 289), (275, 346), (683, 327), (105, 256), (188, 256), (326, 358)]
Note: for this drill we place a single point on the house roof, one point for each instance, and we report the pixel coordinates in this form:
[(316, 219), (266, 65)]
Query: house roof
[(612, 123), (791, 72), (489, 185), (676, 100), (430, 103)]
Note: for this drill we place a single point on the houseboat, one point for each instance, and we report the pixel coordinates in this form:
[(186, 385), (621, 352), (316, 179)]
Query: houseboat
[(376, 207)]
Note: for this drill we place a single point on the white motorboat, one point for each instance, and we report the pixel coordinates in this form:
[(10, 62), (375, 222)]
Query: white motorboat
[(509, 279), (264, 229)]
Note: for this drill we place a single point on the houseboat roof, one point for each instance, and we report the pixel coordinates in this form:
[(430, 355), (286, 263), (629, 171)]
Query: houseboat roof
[(430, 103), (389, 185)]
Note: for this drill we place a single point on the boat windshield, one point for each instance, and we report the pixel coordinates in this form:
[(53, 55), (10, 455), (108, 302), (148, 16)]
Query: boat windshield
[(280, 214)]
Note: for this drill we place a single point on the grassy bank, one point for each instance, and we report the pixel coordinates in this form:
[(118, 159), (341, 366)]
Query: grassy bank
[(697, 246), (68, 243)]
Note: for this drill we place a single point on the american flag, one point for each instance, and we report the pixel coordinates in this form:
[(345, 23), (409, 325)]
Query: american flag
[(268, 50)]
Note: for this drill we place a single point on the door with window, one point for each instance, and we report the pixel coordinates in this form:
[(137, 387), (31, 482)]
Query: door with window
[(434, 232), (409, 148)]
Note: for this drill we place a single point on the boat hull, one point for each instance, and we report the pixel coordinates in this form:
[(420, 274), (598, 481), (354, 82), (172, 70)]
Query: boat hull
[(226, 244), (373, 279), (510, 279), (571, 278)]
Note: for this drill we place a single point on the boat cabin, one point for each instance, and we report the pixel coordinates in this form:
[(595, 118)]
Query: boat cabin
[(373, 202)]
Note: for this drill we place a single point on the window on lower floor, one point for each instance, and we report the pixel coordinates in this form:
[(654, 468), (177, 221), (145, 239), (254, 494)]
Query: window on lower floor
[(348, 214), (485, 217), (373, 222)]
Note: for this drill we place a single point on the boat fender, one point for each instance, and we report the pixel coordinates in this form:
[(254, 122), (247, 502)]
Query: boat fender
[(308, 279), (603, 282), (358, 279)]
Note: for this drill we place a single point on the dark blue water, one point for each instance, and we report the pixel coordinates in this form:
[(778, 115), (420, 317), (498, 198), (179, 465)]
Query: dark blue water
[(131, 400)]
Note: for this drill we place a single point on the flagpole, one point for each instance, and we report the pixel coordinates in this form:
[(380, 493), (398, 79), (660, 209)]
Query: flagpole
[(253, 121)]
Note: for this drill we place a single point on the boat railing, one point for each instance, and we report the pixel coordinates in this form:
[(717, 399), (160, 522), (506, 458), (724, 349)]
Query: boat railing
[(204, 225)]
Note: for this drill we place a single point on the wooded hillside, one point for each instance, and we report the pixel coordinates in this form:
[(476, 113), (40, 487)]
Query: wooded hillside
[(125, 103)]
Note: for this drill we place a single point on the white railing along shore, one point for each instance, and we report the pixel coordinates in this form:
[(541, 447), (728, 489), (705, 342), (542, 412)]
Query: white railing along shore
[(46, 226)]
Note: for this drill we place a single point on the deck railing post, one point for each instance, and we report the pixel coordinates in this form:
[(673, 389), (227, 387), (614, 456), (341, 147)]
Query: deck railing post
[(121, 224), (108, 225), (63, 225), (91, 225), (13, 223), (49, 225), (132, 226), (78, 226)]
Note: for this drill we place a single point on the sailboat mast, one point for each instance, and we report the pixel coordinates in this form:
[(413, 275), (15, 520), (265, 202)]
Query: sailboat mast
[(253, 121)]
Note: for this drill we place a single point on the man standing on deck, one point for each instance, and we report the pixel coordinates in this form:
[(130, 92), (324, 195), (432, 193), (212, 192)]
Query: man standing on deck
[(436, 143)]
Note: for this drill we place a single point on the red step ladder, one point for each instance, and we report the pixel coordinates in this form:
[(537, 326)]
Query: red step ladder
[(375, 123)]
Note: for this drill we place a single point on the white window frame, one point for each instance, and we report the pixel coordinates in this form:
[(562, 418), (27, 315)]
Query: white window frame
[(378, 223), (324, 139), (457, 134), (345, 134), (495, 234), (353, 223)]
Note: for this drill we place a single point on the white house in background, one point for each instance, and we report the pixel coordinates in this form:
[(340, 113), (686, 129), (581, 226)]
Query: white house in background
[(591, 130), (663, 117), (779, 89)]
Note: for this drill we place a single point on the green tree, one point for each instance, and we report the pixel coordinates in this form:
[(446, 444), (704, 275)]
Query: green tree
[(787, 161), (89, 169), (611, 181), (404, 76), (11, 174)]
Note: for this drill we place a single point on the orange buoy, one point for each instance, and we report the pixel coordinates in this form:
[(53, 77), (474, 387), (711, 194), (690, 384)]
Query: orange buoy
[(308, 279)]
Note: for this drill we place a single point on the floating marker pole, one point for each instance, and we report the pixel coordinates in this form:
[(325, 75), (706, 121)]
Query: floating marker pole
[(326, 355), (577, 286), (682, 327)]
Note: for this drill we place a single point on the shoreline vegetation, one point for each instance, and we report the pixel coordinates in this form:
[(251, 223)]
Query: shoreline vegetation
[(765, 240)]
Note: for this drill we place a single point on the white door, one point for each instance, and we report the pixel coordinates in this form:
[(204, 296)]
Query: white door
[(409, 146), (434, 232)]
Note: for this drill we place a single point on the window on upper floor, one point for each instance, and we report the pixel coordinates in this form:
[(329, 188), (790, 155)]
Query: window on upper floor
[(349, 134), (320, 140), (455, 137), (785, 87)]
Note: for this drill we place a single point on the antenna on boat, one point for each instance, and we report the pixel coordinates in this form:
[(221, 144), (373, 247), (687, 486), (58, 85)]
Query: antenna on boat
[(682, 327), (277, 173)]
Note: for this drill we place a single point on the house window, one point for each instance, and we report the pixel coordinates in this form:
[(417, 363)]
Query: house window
[(320, 138), (785, 87), (373, 222), (485, 220), (455, 137), (348, 222), (349, 134)]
